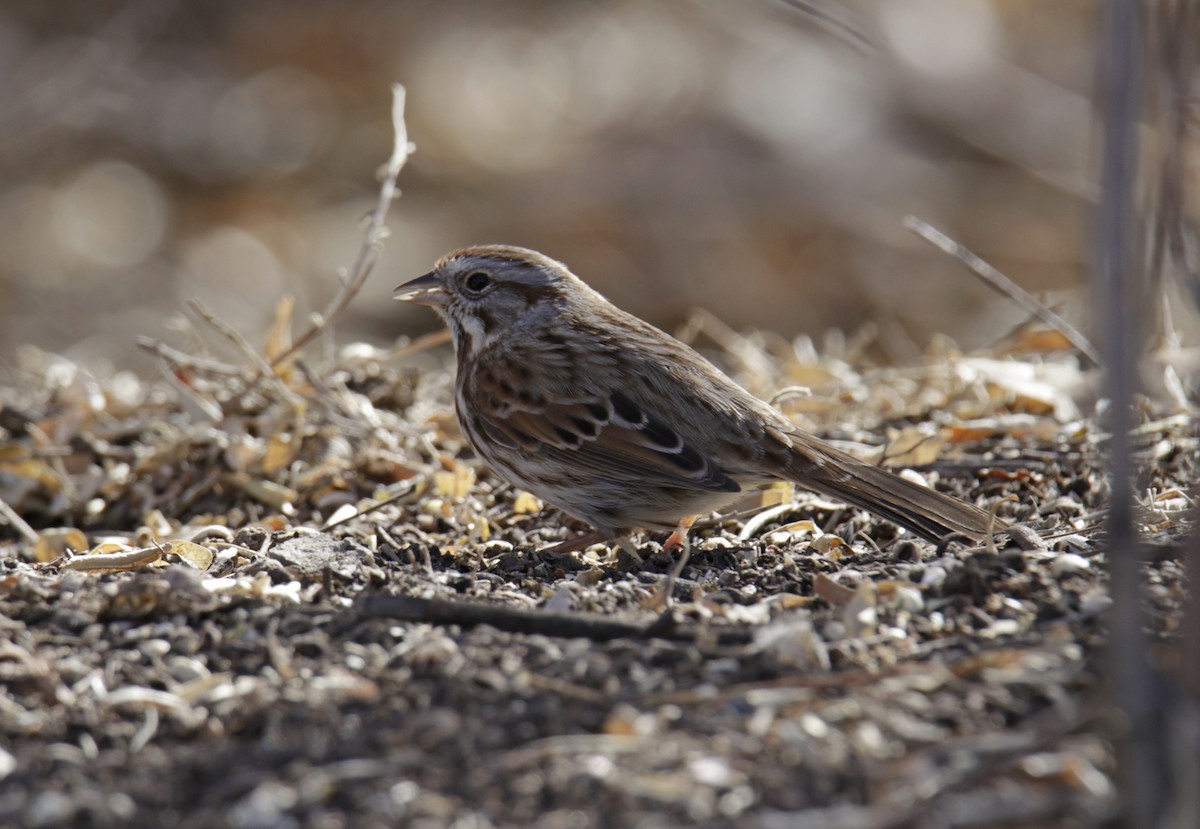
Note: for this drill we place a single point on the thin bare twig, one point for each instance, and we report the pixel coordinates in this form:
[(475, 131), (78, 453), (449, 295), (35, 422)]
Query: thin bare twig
[(372, 245), (228, 332), (838, 21), (17, 522), (1005, 286), (205, 408), (421, 343), (391, 499), (243, 345), (515, 620), (595, 626), (175, 357), (119, 560)]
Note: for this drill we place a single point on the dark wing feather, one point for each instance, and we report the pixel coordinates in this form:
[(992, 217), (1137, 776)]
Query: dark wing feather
[(608, 434)]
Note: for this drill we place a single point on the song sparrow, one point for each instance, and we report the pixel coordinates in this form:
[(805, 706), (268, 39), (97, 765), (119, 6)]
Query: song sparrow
[(621, 425)]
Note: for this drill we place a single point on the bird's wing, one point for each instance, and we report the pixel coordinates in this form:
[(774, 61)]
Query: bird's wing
[(587, 426)]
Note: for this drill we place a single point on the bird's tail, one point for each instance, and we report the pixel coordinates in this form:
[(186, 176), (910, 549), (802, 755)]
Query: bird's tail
[(930, 514)]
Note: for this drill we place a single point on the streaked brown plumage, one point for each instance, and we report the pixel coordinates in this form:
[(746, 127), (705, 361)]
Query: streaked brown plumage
[(621, 425)]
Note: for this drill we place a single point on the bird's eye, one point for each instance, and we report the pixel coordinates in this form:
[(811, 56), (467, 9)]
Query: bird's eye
[(477, 282)]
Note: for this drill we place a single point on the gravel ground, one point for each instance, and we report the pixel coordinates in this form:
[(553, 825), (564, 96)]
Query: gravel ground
[(299, 601)]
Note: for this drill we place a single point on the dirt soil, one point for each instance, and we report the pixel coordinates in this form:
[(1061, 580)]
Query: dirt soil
[(296, 600)]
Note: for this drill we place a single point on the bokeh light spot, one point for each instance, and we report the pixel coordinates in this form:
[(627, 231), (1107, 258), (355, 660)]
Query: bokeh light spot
[(111, 214)]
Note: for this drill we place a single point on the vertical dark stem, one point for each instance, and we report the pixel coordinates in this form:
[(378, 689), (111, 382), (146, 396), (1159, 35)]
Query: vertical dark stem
[(1119, 272)]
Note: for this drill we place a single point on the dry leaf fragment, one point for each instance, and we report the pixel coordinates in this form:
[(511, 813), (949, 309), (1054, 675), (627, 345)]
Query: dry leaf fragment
[(969, 433), (455, 483), (1040, 388), (623, 721), (788, 601), (860, 616), (35, 469), (780, 492), (993, 473), (343, 513), (914, 446), (266, 492), (1019, 426), (794, 642), (243, 452), (1041, 341), (279, 336), (829, 590), (155, 526), (196, 555), (832, 547), (282, 449), (905, 594), (483, 528), (258, 586), (526, 503), (52, 542)]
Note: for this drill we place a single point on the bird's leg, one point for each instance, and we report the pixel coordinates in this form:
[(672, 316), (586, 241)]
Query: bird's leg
[(678, 539)]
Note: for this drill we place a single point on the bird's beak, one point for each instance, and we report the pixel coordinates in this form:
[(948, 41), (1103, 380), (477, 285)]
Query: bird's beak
[(424, 290)]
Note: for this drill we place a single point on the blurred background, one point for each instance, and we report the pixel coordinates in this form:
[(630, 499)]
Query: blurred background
[(739, 155)]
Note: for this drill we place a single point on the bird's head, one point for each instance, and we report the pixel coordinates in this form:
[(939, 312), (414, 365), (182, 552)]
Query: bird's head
[(489, 290)]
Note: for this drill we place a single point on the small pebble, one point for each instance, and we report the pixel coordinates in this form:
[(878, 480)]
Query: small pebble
[(1069, 564)]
